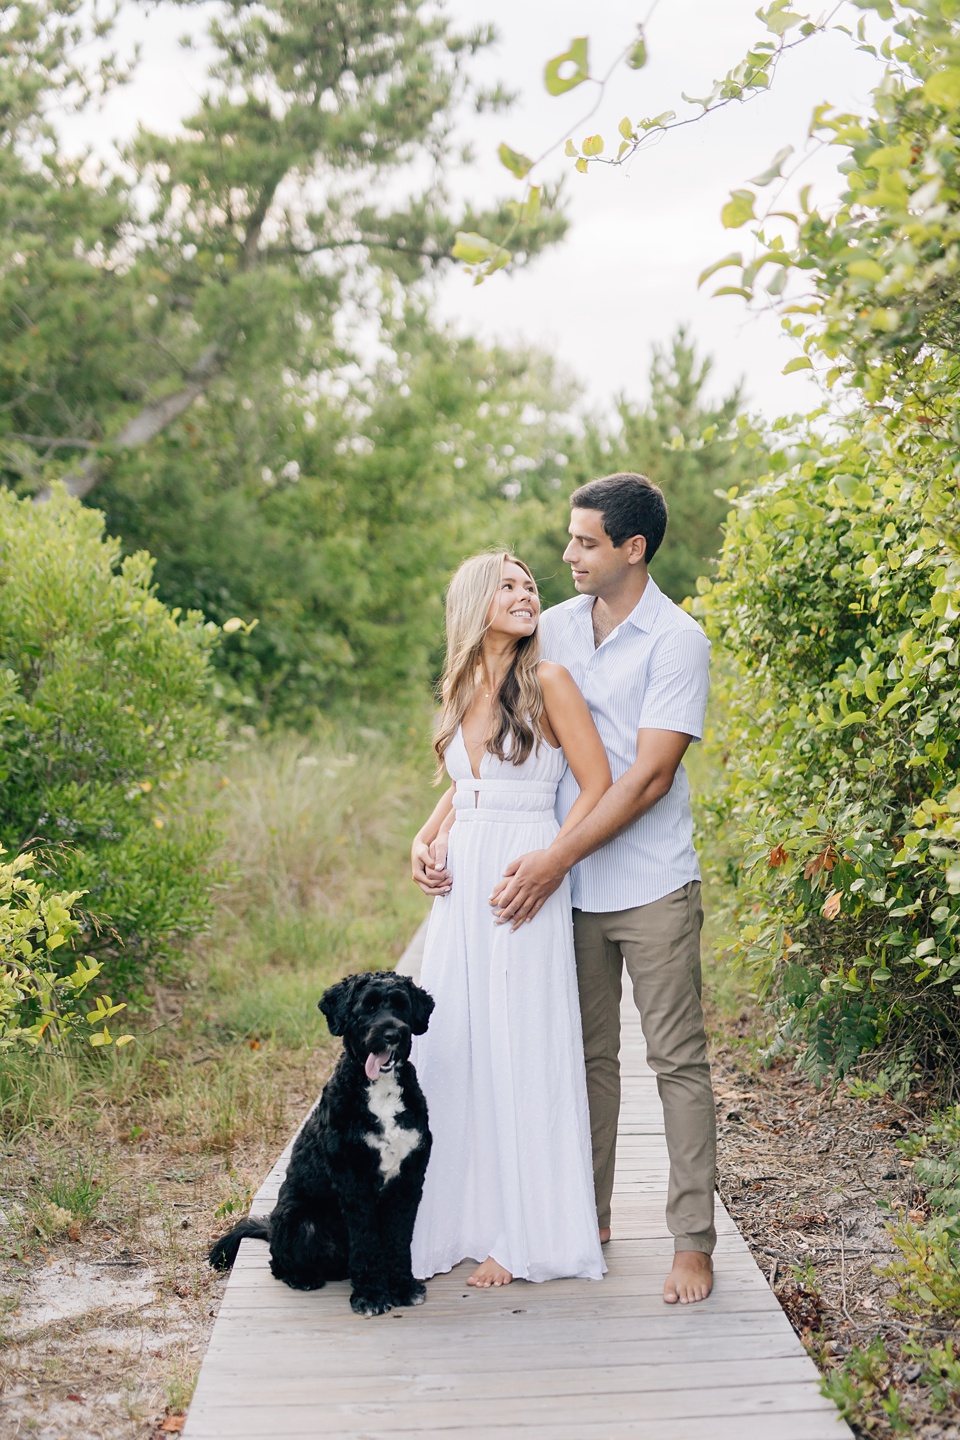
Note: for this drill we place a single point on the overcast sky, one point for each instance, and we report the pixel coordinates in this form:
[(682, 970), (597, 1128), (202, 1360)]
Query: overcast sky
[(626, 275)]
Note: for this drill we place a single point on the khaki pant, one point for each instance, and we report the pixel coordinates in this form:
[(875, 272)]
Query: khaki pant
[(660, 946)]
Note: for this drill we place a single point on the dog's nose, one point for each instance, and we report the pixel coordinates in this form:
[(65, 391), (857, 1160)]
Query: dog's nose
[(391, 1035)]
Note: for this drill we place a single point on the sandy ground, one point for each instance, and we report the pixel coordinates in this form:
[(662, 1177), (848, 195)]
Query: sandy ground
[(103, 1334)]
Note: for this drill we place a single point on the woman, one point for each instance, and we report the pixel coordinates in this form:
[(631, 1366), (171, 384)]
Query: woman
[(510, 1181)]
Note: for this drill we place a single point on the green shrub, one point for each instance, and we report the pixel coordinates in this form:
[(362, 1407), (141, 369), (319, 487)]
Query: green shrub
[(836, 601), (37, 999), (103, 704), (838, 594)]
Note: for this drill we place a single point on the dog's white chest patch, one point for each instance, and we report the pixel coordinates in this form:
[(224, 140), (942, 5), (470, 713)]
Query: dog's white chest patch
[(396, 1142)]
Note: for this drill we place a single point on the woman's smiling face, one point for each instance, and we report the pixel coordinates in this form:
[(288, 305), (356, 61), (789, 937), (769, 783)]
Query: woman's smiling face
[(515, 609)]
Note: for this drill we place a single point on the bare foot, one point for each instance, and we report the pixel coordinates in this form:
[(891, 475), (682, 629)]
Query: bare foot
[(691, 1278), (488, 1274), (605, 1235)]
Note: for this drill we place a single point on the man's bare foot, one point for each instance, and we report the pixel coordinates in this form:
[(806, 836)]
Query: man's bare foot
[(691, 1278), (489, 1274), (605, 1235)]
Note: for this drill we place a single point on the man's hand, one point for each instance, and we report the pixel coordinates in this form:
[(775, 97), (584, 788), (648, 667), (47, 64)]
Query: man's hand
[(527, 884), (432, 877)]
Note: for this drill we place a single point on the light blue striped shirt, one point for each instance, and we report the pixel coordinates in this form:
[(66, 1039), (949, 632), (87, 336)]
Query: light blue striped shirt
[(650, 673)]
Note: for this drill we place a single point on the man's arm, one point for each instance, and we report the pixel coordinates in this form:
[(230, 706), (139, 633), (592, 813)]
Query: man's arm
[(531, 880)]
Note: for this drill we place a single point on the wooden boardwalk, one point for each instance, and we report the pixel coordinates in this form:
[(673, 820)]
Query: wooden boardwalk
[(569, 1360)]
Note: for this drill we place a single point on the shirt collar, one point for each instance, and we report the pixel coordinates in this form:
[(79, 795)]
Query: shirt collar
[(642, 615)]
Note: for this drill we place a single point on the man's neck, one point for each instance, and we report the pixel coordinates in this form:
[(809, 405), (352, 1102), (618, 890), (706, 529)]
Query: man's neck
[(611, 610)]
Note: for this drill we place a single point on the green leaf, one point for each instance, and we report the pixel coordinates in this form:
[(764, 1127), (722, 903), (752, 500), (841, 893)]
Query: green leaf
[(659, 122), (581, 165), (516, 163), (570, 149), (626, 128), (778, 21), (531, 208), (883, 7), (576, 56), (472, 248), (774, 169), (734, 258), (866, 270), (593, 145), (889, 157), (943, 87), (638, 55), (801, 362), (738, 209)]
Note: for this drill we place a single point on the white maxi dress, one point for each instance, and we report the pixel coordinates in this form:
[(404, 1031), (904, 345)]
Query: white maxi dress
[(501, 1065)]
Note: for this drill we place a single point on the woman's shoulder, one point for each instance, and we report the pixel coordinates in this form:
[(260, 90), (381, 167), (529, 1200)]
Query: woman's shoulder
[(553, 676)]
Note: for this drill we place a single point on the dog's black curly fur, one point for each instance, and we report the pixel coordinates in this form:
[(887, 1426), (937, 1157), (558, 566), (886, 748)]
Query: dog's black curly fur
[(342, 1212)]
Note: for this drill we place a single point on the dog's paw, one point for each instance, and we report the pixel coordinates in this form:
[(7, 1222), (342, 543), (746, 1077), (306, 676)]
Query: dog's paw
[(298, 1281), (368, 1304), (412, 1294)]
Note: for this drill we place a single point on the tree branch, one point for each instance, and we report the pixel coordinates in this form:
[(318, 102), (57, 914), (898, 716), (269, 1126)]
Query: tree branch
[(144, 427), (374, 242), (52, 444)]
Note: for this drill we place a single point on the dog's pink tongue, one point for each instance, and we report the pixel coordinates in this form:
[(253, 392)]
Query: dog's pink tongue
[(375, 1064)]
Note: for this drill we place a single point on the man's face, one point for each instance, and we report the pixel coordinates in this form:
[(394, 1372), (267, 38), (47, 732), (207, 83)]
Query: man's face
[(598, 566)]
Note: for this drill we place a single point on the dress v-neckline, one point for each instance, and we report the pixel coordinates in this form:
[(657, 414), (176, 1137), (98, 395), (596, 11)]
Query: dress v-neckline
[(463, 742)]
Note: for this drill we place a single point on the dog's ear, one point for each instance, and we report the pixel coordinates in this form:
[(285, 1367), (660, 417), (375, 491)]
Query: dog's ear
[(335, 1003), (421, 1009)]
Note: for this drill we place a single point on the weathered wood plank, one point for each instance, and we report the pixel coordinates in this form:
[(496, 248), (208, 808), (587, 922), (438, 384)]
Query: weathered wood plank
[(521, 1411), (432, 1386), (798, 1425)]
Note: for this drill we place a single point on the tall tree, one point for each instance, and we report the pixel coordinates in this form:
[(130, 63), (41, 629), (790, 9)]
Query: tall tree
[(215, 259), (683, 442), (335, 519), (687, 445)]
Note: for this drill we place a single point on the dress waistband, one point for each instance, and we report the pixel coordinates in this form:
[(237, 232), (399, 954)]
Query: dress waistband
[(515, 798)]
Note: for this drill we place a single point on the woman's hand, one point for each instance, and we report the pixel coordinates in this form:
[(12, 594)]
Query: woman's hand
[(428, 866), (428, 853)]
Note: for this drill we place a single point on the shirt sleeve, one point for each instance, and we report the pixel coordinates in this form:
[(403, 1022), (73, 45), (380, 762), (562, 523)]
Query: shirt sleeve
[(678, 685), (548, 629)]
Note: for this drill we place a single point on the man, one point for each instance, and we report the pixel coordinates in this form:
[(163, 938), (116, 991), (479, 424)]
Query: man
[(642, 664)]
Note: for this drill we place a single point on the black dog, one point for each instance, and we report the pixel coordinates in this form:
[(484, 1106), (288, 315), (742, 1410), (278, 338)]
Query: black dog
[(347, 1206)]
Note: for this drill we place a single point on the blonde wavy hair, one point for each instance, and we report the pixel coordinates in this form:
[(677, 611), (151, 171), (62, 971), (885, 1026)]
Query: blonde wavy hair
[(519, 701)]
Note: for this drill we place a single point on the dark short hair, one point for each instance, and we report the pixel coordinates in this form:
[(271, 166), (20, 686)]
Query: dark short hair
[(630, 505)]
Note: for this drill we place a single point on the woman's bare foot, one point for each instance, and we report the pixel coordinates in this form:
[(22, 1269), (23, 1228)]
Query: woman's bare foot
[(691, 1278), (605, 1235), (489, 1274)]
